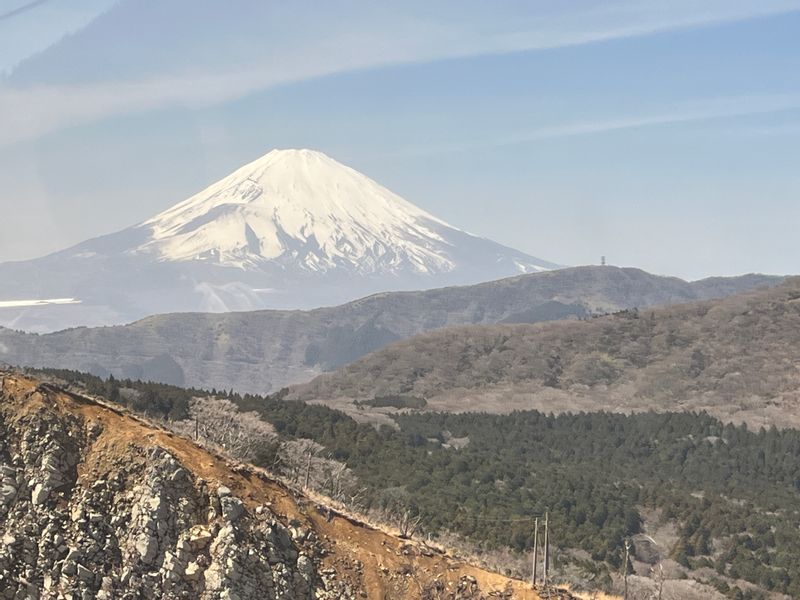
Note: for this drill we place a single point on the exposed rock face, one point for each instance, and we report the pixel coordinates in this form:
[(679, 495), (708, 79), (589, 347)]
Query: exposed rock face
[(147, 528), (97, 504)]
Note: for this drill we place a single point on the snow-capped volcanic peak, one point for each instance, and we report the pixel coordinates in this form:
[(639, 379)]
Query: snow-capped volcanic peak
[(292, 230), (303, 208)]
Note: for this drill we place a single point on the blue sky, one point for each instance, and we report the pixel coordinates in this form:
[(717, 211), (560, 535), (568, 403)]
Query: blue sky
[(665, 135)]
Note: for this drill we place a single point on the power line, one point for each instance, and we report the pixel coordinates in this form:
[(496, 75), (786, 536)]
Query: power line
[(501, 520)]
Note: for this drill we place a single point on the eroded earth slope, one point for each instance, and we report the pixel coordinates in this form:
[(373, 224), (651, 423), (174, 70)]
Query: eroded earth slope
[(96, 503)]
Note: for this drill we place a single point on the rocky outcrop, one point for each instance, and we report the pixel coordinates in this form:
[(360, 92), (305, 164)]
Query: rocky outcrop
[(147, 528), (95, 503)]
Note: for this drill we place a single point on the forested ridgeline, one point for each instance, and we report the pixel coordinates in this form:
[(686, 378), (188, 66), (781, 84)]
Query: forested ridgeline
[(733, 492), (736, 358)]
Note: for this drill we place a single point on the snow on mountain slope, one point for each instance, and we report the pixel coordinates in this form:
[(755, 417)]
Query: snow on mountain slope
[(302, 206), (292, 229)]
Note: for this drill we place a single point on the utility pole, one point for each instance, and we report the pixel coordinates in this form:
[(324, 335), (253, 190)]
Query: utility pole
[(625, 566), (546, 548), (660, 579), (535, 550), (308, 467)]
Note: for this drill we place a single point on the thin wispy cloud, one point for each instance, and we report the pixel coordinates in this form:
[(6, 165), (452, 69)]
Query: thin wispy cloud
[(30, 111), (21, 9), (27, 28), (706, 110), (789, 129), (717, 108)]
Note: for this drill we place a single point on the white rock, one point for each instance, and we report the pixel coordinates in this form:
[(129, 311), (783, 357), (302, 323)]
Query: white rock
[(39, 494), (147, 547), (199, 538), (193, 571)]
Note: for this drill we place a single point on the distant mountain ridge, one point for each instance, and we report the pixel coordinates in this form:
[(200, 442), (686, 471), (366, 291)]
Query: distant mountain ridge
[(292, 229), (736, 358), (262, 351)]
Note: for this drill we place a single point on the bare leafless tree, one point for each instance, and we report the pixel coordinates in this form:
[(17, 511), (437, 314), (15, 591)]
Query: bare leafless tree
[(408, 523), (217, 422)]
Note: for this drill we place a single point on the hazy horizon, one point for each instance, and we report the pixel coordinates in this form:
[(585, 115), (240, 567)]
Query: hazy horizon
[(663, 137)]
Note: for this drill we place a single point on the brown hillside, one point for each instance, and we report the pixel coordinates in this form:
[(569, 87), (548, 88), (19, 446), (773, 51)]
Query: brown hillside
[(738, 358), (97, 501)]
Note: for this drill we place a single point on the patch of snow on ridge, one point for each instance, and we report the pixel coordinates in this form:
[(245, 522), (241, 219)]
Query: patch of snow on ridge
[(23, 303), (528, 268)]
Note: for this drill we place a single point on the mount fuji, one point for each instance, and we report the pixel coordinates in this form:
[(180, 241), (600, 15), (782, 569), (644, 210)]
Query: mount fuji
[(292, 229)]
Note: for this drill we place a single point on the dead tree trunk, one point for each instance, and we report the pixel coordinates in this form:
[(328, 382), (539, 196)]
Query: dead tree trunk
[(535, 550), (546, 548), (308, 467)]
